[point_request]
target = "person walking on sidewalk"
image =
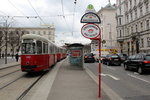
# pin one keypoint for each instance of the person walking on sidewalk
(17, 57)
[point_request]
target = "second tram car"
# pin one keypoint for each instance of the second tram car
(39, 54)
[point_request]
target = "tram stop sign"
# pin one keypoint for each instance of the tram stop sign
(90, 31)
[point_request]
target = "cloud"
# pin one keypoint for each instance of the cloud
(51, 13)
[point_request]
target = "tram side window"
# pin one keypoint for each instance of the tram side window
(43, 47)
(51, 48)
(39, 47)
(46, 48)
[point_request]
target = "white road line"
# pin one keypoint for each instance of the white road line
(113, 77)
(111, 68)
(102, 74)
(136, 73)
(139, 78)
(111, 93)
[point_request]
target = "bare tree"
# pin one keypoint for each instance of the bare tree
(1, 41)
(15, 40)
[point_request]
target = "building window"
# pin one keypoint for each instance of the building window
(131, 16)
(49, 33)
(134, 2)
(127, 6)
(39, 32)
(44, 32)
(147, 7)
(135, 13)
(148, 42)
(130, 3)
(33, 32)
(141, 26)
(141, 11)
(147, 24)
(120, 10)
(120, 33)
(131, 29)
(127, 18)
(128, 31)
(136, 28)
(119, 21)
(142, 43)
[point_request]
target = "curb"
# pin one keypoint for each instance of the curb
(109, 92)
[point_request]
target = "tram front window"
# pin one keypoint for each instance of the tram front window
(28, 48)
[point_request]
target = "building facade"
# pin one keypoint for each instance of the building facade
(14, 37)
(107, 15)
(133, 26)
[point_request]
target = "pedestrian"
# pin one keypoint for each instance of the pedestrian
(3, 55)
(17, 57)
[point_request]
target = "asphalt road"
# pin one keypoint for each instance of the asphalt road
(129, 85)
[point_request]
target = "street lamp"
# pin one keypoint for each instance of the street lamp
(110, 35)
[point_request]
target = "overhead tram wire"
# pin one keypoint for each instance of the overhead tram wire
(62, 7)
(64, 15)
(36, 12)
(75, 2)
(19, 10)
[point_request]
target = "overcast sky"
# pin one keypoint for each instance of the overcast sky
(50, 11)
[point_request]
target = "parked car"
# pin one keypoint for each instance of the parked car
(89, 58)
(112, 59)
(123, 57)
(139, 62)
(102, 58)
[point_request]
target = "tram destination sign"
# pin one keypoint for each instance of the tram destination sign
(90, 31)
(90, 17)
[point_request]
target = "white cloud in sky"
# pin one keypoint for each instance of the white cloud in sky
(52, 8)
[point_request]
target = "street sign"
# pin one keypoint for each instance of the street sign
(90, 18)
(93, 32)
(90, 31)
(90, 8)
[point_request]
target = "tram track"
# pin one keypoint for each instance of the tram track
(11, 82)
(29, 88)
(9, 73)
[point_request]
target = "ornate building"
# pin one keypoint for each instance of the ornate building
(107, 15)
(133, 26)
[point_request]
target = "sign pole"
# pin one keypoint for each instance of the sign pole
(92, 31)
(99, 69)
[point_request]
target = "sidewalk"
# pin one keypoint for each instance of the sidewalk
(73, 83)
(10, 62)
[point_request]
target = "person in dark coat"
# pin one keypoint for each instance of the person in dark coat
(17, 57)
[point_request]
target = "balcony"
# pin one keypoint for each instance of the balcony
(120, 39)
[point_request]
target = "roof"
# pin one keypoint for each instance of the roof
(76, 45)
(109, 6)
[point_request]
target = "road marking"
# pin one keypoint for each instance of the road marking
(139, 78)
(136, 73)
(111, 68)
(113, 77)
(102, 74)
(111, 93)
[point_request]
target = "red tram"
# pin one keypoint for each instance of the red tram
(39, 54)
